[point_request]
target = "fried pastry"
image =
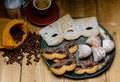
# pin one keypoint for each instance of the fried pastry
(84, 51)
(61, 67)
(88, 26)
(89, 67)
(71, 46)
(99, 53)
(94, 41)
(51, 54)
(53, 33)
(108, 45)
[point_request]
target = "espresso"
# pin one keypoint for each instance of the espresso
(42, 4)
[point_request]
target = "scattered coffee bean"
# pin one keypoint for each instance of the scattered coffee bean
(28, 62)
(31, 46)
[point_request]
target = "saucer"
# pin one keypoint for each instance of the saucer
(36, 19)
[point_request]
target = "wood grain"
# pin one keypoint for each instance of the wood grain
(37, 72)
(9, 73)
(90, 10)
(108, 15)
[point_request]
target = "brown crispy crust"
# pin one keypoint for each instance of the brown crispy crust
(73, 49)
(63, 69)
(87, 70)
(92, 70)
(80, 71)
(54, 55)
(57, 60)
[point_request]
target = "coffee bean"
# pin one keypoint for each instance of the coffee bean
(31, 45)
(28, 62)
(16, 33)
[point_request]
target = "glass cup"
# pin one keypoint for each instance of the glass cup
(15, 8)
(42, 6)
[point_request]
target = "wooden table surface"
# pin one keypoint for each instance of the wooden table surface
(108, 15)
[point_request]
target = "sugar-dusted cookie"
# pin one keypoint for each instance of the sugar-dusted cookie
(94, 41)
(84, 51)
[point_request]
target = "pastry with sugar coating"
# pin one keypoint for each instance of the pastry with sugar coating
(93, 41)
(108, 45)
(99, 53)
(71, 32)
(53, 33)
(88, 26)
(84, 51)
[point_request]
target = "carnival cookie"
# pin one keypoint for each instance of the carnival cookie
(61, 67)
(71, 46)
(89, 67)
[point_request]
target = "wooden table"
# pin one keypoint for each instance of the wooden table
(108, 15)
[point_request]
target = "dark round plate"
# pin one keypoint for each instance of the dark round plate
(82, 40)
(36, 19)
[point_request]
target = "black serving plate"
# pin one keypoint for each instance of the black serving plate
(82, 40)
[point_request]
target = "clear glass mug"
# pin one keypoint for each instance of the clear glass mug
(14, 8)
(43, 7)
